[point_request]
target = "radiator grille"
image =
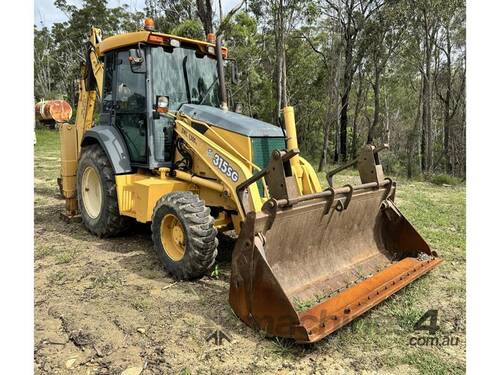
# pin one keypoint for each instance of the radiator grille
(261, 153)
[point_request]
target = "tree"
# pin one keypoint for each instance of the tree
(69, 37)
(352, 16)
(205, 12)
(44, 64)
(355, 70)
(451, 76)
(169, 14)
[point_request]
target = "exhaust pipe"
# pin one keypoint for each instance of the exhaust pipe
(291, 133)
(220, 71)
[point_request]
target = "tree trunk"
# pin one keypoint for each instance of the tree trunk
(426, 141)
(344, 102)
(413, 138)
(221, 13)
(447, 115)
(376, 106)
(357, 109)
(205, 14)
(283, 73)
(279, 35)
(330, 124)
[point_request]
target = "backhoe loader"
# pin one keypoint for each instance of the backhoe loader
(154, 141)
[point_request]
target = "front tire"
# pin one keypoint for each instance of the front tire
(184, 235)
(96, 192)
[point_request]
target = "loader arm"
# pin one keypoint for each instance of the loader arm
(230, 170)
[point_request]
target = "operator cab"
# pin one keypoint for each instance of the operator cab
(153, 66)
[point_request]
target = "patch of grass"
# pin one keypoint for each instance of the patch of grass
(283, 347)
(303, 305)
(444, 179)
(47, 141)
(141, 304)
(41, 201)
(457, 288)
(365, 327)
(105, 280)
(189, 321)
(404, 307)
(47, 156)
(216, 272)
(370, 332)
(44, 251)
(58, 277)
(437, 213)
(65, 257)
(428, 363)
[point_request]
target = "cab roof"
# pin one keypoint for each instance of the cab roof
(151, 37)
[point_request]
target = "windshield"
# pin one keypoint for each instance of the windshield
(185, 76)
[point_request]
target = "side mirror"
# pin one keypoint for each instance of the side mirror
(136, 59)
(234, 73)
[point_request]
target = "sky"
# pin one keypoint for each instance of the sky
(47, 14)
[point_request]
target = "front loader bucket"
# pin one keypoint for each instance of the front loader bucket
(307, 266)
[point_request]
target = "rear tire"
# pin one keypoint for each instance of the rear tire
(184, 235)
(96, 191)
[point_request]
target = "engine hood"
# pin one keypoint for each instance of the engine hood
(231, 121)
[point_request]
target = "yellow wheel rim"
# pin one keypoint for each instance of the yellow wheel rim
(172, 237)
(91, 192)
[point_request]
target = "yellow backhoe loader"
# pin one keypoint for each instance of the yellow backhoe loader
(162, 148)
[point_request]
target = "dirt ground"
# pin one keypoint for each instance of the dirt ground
(108, 307)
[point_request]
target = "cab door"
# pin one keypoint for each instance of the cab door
(128, 112)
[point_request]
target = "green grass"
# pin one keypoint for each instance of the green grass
(65, 257)
(444, 179)
(283, 348)
(403, 306)
(58, 277)
(429, 363)
(47, 142)
(47, 164)
(105, 280)
(142, 304)
(44, 251)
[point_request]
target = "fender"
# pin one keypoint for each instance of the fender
(111, 141)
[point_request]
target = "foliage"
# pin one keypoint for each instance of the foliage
(356, 72)
(189, 29)
(62, 47)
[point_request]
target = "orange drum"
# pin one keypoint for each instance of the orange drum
(53, 110)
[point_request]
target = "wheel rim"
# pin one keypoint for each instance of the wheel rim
(172, 237)
(91, 192)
